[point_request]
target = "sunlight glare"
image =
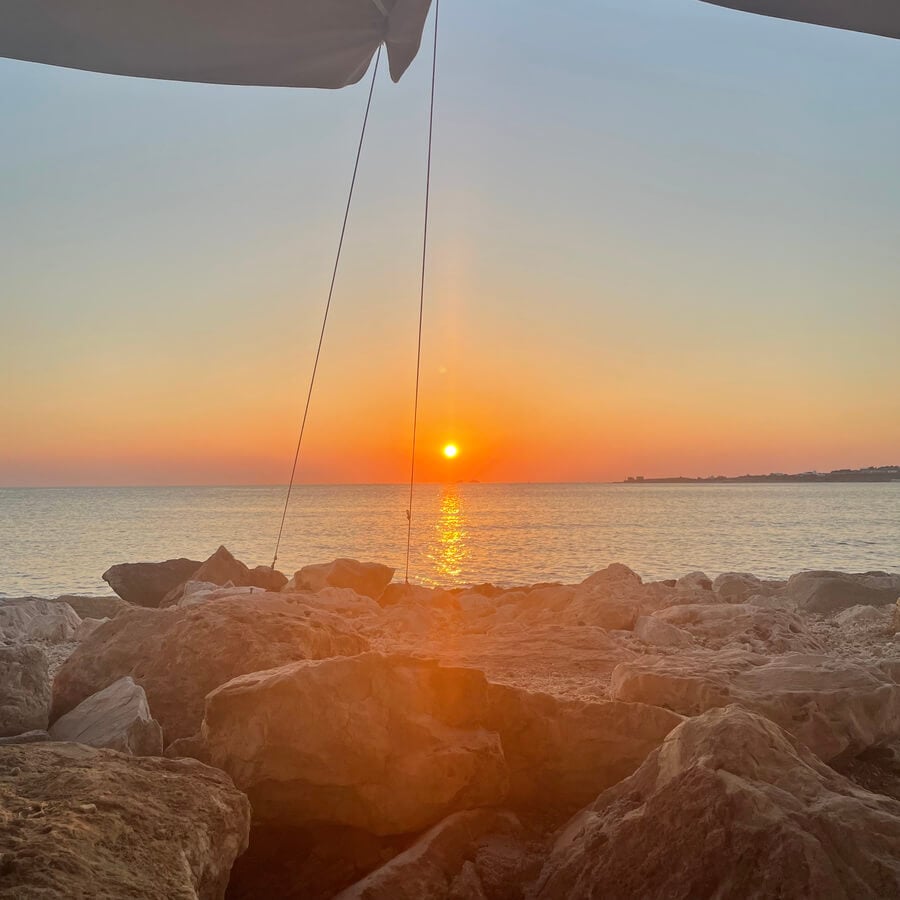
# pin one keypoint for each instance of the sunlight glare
(451, 451)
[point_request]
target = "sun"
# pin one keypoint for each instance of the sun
(451, 451)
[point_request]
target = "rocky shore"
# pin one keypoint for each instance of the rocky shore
(220, 731)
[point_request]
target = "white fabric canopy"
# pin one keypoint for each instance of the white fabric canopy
(293, 43)
(869, 16)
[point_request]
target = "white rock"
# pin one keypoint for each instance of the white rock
(117, 717)
(88, 627)
(652, 630)
(33, 620)
(863, 615)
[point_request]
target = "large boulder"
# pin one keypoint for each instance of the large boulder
(31, 619)
(562, 753)
(179, 655)
(146, 583)
(830, 592)
(117, 717)
(444, 863)
(81, 822)
(386, 744)
(742, 625)
(836, 707)
(366, 578)
(729, 806)
(24, 689)
(739, 587)
(221, 568)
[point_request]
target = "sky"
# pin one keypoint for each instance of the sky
(664, 241)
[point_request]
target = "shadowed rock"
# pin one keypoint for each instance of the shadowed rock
(146, 583)
(117, 718)
(24, 689)
(179, 655)
(366, 578)
(830, 592)
(739, 587)
(836, 707)
(562, 753)
(380, 743)
(438, 866)
(658, 633)
(729, 806)
(95, 607)
(81, 822)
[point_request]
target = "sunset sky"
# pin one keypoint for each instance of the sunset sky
(665, 240)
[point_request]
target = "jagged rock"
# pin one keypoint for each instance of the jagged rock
(836, 707)
(24, 689)
(562, 753)
(145, 583)
(81, 822)
(117, 717)
(830, 592)
(87, 628)
(863, 615)
(438, 865)
(179, 655)
(366, 578)
(221, 568)
(27, 737)
(35, 620)
(374, 742)
(695, 581)
(95, 607)
(729, 806)
(655, 631)
(742, 625)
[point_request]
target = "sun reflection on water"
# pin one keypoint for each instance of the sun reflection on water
(448, 550)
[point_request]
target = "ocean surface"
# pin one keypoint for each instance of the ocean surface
(60, 540)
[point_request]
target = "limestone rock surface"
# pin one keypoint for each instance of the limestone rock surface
(562, 753)
(439, 865)
(739, 587)
(380, 743)
(836, 707)
(660, 633)
(118, 717)
(729, 806)
(87, 628)
(179, 655)
(24, 689)
(95, 607)
(31, 619)
(830, 592)
(366, 578)
(743, 626)
(80, 822)
(146, 583)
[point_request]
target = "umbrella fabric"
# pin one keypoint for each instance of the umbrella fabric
(870, 16)
(292, 43)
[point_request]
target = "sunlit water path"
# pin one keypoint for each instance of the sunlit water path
(60, 540)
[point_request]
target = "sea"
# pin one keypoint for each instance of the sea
(57, 541)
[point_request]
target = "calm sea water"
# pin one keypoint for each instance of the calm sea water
(60, 540)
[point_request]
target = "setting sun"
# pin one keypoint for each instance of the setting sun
(451, 451)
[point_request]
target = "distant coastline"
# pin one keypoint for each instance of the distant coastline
(871, 474)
